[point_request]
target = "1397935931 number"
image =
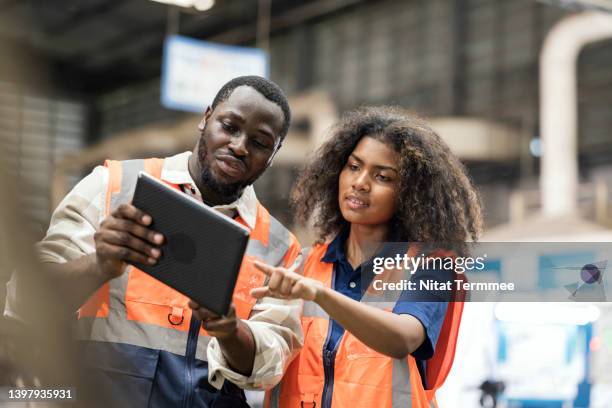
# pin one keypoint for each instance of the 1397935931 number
(37, 394)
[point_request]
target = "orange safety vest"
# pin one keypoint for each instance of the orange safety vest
(137, 309)
(362, 377)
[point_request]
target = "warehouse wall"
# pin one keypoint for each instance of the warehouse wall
(471, 57)
(35, 132)
(439, 57)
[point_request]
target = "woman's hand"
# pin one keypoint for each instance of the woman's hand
(284, 284)
(390, 334)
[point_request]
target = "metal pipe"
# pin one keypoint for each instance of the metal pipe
(558, 107)
(173, 20)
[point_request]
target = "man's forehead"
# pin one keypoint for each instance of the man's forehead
(247, 94)
(247, 99)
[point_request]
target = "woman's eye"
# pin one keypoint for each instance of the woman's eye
(353, 167)
(382, 178)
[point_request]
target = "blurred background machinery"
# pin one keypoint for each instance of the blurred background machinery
(80, 81)
(83, 72)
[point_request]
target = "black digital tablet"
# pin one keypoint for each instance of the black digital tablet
(203, 249)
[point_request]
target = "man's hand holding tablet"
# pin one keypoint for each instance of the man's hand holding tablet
(201, 254)
(202, 249)
(125, 237)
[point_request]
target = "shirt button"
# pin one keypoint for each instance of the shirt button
(352, 285)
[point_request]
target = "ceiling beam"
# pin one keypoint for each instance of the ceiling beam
(242, 34)
(82, 15)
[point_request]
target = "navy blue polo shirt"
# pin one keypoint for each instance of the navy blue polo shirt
(353, 282)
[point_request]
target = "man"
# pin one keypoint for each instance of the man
(145, 345)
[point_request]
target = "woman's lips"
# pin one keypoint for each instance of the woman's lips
(231, 166)
(355, 203)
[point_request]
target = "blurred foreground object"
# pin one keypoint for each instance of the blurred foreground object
(36, 349)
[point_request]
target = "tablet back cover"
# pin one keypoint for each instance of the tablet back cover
(203, 249)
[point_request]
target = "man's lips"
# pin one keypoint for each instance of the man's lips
(230, 165)
(356, 203)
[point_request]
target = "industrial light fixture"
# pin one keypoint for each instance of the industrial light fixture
(200, 5)
(203, 5)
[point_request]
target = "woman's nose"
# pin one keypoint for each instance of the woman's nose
(361, 182)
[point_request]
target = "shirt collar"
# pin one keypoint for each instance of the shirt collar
(335, 250)
(175, 171)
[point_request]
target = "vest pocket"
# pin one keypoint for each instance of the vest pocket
(122, 375)
(159, 314)
(148, 300)
(142, 287)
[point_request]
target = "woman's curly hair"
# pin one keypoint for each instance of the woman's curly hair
(436, 201)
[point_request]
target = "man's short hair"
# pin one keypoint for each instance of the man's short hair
(267, 88)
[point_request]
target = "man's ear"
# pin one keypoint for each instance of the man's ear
(205, 118)
(271, 159)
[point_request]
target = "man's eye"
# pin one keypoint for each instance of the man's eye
(260, 144)
(228, 127)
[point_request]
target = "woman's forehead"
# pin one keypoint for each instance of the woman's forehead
(374, 152)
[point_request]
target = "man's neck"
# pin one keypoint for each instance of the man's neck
(213, 198)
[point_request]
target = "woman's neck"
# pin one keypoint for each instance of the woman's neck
(363, 242)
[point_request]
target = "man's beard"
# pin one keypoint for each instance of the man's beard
(230, 191)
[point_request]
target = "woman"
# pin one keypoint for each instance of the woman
(382, 177)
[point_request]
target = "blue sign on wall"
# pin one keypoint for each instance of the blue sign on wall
(193, 70)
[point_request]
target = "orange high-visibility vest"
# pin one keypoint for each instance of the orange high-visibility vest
(137, 309)
(361, 377)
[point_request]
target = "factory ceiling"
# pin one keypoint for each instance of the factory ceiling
(93, 46)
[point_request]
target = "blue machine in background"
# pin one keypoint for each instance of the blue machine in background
(551, 388)
(543, 350)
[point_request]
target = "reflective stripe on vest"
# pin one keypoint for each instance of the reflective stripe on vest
(139, 310)
(362, 377)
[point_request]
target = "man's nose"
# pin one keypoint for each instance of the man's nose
(238, 144)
